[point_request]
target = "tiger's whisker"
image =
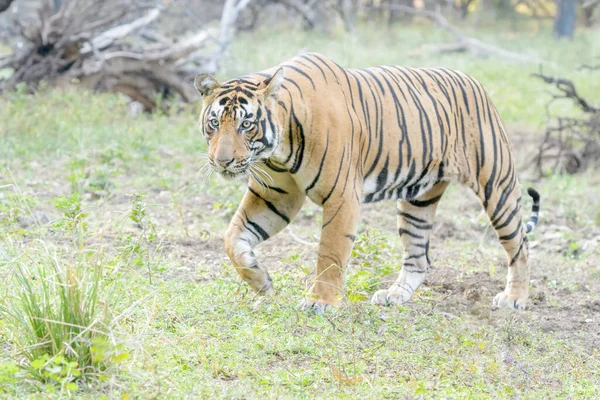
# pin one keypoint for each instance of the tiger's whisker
(266, 177)
(257, 177)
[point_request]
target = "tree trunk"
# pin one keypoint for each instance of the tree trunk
(564, 22)
(4, 4)
(348, 11)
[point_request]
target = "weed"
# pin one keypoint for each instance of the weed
(9, 373)
(74, 217)
(138, 248)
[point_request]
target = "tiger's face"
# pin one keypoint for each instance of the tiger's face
(239, 121)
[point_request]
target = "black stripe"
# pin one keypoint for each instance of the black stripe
(271, 206)
(257, 227)
(316, 65)
(411, 217)
(301, 143)
(336, 178)
(402, 231)
(425, 203)
(334, 215)
(368, 71)
(328, 66)
(276, 189)
(273, 167)
(511, 235)
(422, 227)
(416, 256)
(313, 183)
(298, 70)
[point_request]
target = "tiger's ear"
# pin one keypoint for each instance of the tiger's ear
(274, 84)
(205, 84)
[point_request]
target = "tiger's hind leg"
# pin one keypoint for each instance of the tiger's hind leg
(504, 211)
(415, 221)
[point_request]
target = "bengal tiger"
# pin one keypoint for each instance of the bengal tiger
(343, 137)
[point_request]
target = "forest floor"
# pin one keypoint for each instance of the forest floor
(83, 182)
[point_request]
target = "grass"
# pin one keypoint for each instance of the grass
(109, 208)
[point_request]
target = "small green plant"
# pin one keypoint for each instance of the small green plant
(73, 219)
(573, 249)
(99, 182)
(138, 247)
(140, 216)
(56, 369)
(96, 180)
(8, 374)
(77, 168)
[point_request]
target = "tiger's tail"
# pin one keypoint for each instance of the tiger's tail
(535, 210)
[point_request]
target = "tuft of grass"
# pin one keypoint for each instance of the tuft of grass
(56, 311)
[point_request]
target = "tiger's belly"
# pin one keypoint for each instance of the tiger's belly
(405, 184)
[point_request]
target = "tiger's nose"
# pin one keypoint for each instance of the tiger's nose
(225, 163)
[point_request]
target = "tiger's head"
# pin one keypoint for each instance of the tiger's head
(239, 120)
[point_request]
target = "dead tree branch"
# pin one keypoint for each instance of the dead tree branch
(571, 144)
(464, 43)
(569, 92)
(589, 67)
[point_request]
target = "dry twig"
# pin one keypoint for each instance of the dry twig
(571, 144)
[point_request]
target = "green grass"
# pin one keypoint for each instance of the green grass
(89, 192)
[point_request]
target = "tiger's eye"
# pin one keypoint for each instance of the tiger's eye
(214, 123)
(246, 124)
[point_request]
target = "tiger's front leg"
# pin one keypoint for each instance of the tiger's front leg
(263, 212)
(340, 221)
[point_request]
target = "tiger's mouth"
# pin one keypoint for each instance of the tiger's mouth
(230, 175)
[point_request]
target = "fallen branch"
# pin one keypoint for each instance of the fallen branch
(569, 92)
(107, 38)
(571, 144)
(589, 67)
(465, 43)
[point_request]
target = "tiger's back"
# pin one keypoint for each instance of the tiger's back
(409, 128)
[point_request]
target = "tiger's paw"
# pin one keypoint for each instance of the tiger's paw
(504, 300)
(392, 296)
(261, 285)
(267, 287)
(316, 306)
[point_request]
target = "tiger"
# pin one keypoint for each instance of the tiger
(342, 137)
